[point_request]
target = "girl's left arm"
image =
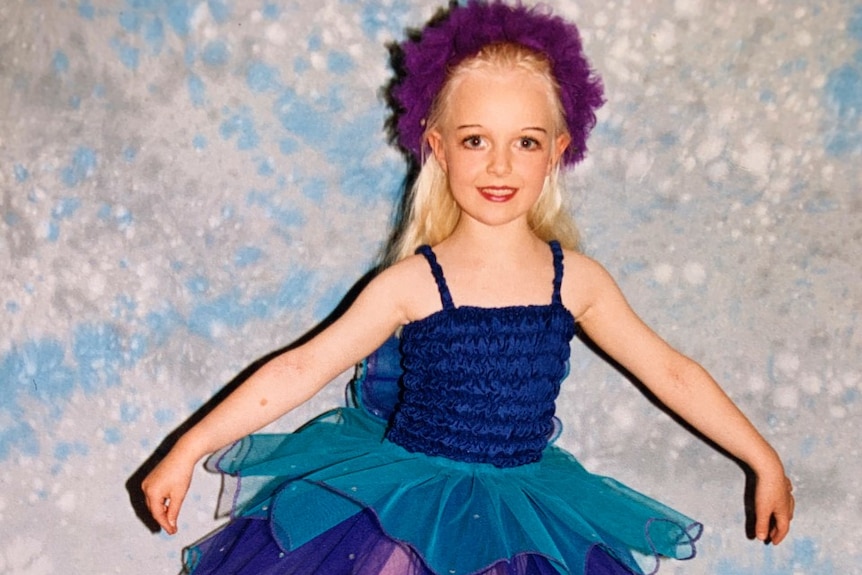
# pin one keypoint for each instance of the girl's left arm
(683, 386)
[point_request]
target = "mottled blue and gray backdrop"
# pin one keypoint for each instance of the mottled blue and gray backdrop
(188, 185)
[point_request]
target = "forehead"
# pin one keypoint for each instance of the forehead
(499, 95)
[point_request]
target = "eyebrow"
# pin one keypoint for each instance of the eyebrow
(528, 128)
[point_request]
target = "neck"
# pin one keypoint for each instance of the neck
(513, 238)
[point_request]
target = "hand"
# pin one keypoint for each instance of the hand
(773, 508)
(165, 487)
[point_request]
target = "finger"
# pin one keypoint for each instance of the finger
(763, 518)
(780, 528)
(779, 532)
(173, 512)
(159, 509)
(782, 523)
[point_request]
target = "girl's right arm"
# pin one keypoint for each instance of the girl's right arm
(280, 385)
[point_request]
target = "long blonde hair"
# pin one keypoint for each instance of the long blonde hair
(432, 212)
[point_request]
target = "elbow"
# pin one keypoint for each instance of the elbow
(292, 376)
(289, 380)
(682, 376)
(288, 366)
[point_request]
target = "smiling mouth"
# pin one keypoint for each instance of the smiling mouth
(501, 194)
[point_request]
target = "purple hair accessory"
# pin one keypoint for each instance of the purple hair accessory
(462, 33)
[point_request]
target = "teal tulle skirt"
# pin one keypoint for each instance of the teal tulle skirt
(449, 517)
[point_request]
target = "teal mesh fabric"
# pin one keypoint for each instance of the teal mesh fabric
(459, 517)
(480, 486)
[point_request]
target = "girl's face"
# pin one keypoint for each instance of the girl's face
(497, 142)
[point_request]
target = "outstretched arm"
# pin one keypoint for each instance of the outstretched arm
(683, 386)
(277, 387)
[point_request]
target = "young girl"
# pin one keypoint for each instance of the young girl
(462, 479)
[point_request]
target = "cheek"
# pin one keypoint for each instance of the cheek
(461, 167)
(537, 166)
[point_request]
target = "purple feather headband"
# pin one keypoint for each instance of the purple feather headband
(462, 33)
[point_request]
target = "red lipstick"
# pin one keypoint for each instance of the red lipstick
(498, 193)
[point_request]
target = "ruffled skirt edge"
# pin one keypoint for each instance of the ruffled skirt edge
(273, 475)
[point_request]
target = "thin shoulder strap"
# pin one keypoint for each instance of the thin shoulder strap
(437, 271)
(558, 270)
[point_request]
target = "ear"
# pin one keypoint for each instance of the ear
(435, 141)
(560, 145)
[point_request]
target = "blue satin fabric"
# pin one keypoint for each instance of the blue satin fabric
(450, 473)
(479, 384)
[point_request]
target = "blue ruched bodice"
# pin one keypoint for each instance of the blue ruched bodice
(467, 460)
(479, 384)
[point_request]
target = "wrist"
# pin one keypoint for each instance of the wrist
(190, 448)
(768, 465)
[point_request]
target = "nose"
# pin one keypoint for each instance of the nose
(500, 161)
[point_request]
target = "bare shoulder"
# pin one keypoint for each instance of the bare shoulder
(584, 281)
(410, 285)
(580, 263)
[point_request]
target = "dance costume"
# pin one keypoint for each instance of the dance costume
(460, 479)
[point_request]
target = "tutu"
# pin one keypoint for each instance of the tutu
(346, 495)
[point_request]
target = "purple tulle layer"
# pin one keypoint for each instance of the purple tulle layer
(357, 546)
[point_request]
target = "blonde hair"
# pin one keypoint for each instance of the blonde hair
(432, 211)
